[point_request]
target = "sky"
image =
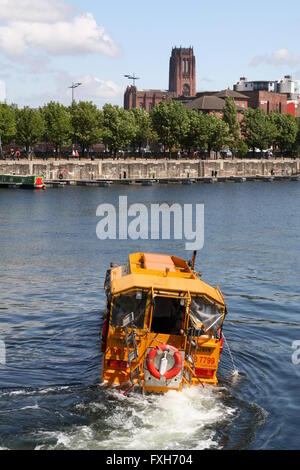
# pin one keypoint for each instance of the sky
(45, 45)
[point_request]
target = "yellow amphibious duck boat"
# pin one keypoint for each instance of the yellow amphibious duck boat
(163, 325)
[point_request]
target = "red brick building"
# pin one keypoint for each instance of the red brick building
(182, 82)
(207, 104)
(267, 101)
(145, 99)
(240, 99)
(212, 104)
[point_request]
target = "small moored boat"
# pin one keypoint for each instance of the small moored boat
(22, 181)
(162, 328)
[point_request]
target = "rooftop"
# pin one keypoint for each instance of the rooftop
(206, 103)
(231, 94)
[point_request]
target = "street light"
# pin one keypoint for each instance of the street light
(74, 85)
(132, 77)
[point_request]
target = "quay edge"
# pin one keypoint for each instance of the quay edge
(163, 171)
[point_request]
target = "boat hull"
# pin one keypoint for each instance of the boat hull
(24, 182)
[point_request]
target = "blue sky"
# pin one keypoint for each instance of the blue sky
(46, 44)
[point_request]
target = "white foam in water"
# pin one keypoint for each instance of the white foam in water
(94, 407)
(15, 393)
(33, 407)
(235, 377)
(184, 420)
(174, 420)
(44, 391)
(78, 438)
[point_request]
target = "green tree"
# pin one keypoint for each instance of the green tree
(86, 121)
(257, 129)
(230, 116)
(242, 148)
(119, 128)
(196, 135)
(58, 124)
(143, 128)
(8, 127)
(30, 127)
(170, 122)
(286, 130)
(296, 146)
(217, 133)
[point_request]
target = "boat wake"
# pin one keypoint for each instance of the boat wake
(186, 420)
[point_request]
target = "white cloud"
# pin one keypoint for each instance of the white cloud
(33, 32)
(44, 11)
(53, 33)
(277, 58)
(94, 87)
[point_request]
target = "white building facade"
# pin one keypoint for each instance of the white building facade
(261, 85)
(286, 85)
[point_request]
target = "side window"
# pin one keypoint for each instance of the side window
(207, 314)
(126, 304)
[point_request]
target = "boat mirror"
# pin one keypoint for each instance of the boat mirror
(128, 319)
(139, 295)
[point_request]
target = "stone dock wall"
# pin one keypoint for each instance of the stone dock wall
(149, 169)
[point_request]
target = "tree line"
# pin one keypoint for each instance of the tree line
(171, 126)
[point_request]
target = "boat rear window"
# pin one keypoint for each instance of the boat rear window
(168, 316)
(126, 304)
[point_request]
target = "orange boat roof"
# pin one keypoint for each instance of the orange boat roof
(145, 263)
(159, 262)
(161, 272)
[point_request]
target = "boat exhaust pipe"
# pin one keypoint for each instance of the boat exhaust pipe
(192, 263)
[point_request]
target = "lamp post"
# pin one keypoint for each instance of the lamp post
(74, 85)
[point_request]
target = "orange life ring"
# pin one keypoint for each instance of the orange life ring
(170, 374)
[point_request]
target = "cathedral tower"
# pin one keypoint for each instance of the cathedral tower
(182, 78)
